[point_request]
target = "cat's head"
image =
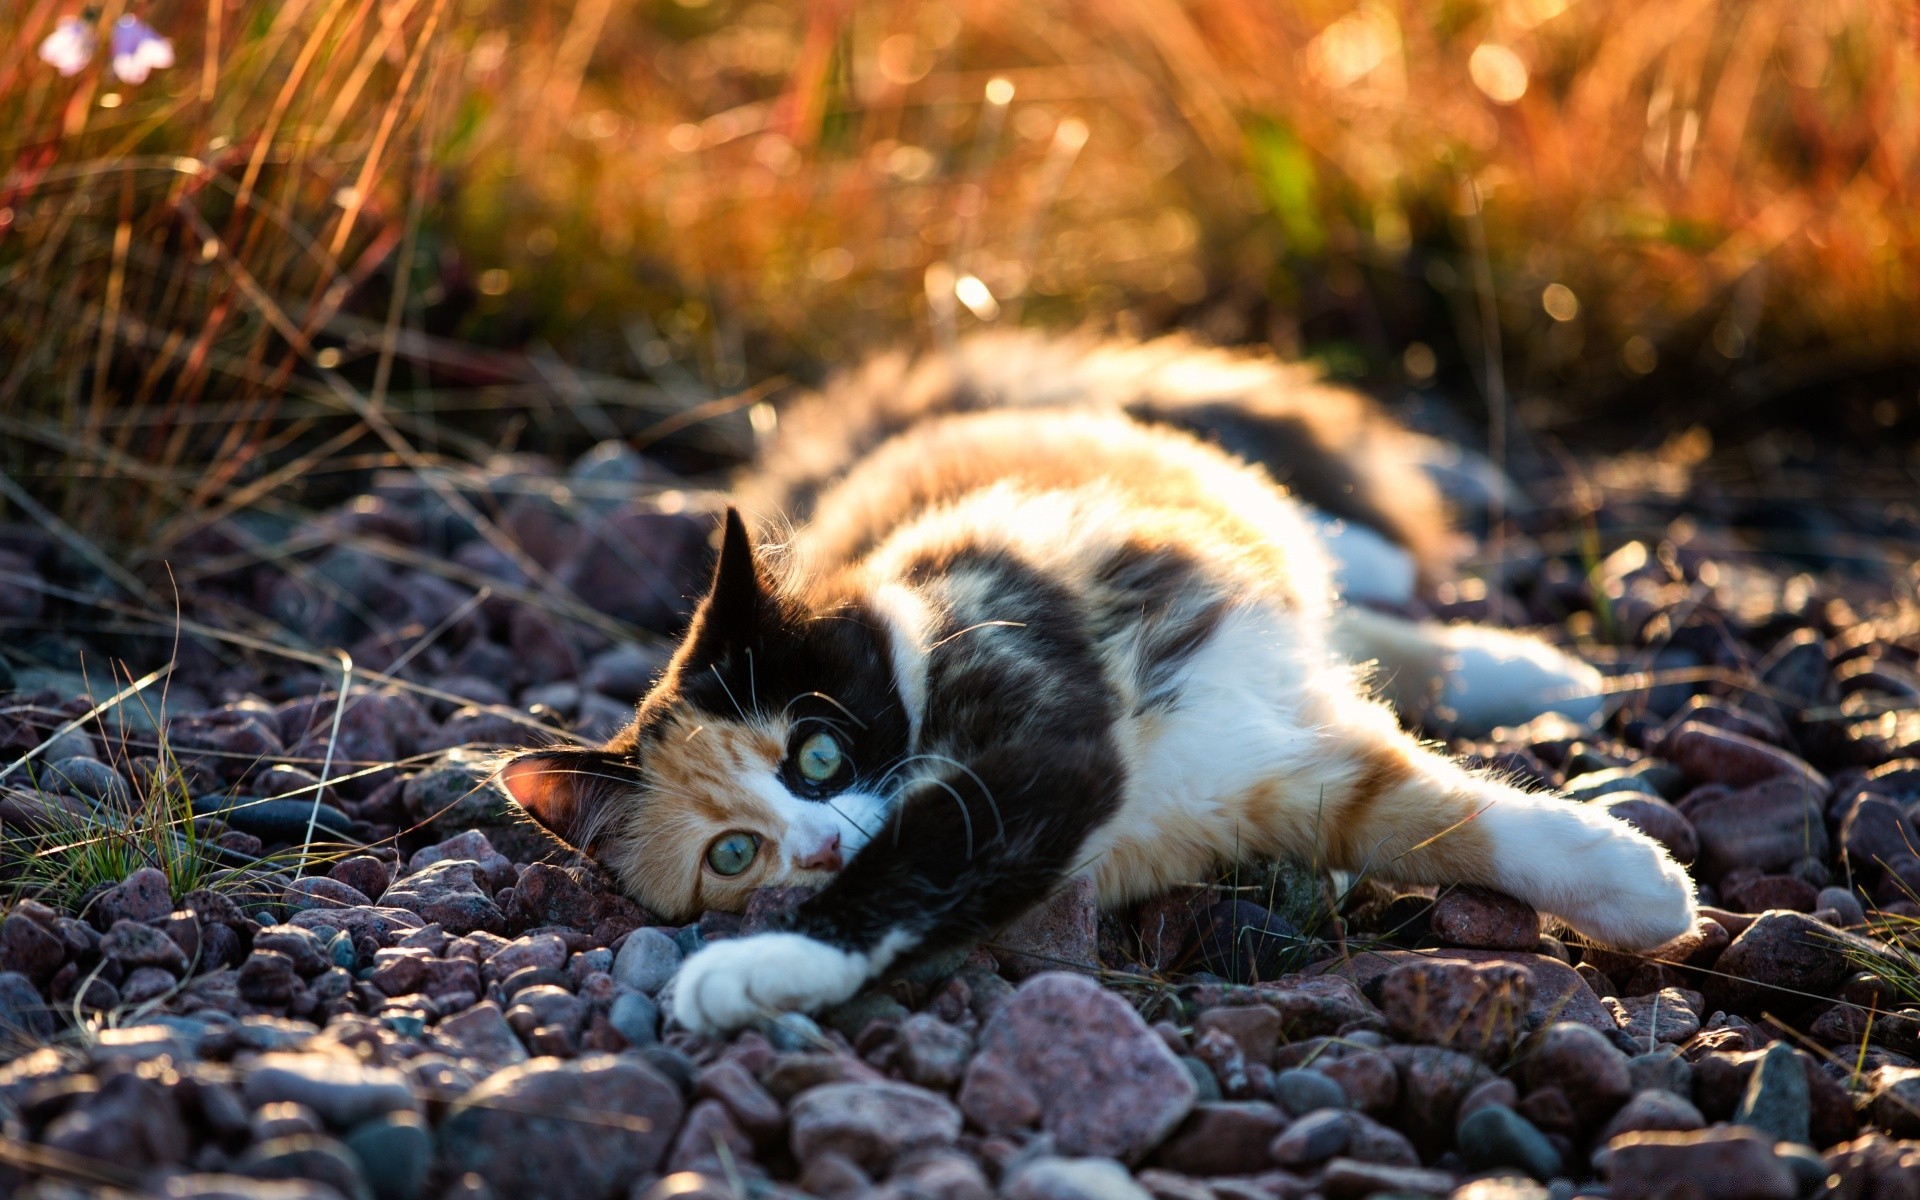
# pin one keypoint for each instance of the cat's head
(759, 759)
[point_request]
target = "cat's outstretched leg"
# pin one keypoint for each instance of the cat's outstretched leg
(1472, 678)
(1398, 811)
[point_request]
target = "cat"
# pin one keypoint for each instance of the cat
(1009, 617)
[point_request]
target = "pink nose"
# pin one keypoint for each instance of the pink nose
(823, 857)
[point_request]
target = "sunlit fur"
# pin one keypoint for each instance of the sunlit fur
(1083, 640)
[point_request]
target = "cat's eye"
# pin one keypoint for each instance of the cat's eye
(820, 758)
(733, 853)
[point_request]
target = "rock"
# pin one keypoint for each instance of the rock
(708, 1137)
(276, 820)
(872, 1124)
(515, 1129)
(395, 1153)
(1347, 1179)
(1479, 1009)
(129, 1122)
(1314, 1138)
(624, 672)
(89, 778)
(547, 895)
(1893, 1100)
(1876, 832)
(1659, 820)
(1713, 1164)
(1060, 933)
(1766, 827)
(267, 979)
(133, 945)
(1242, 942)
(637, 565)
(30, 949)
(1053, 1178)
(1505, 1187)
(1668, 1015)
(482, 1033)
(1584, 1065)
(1496, 1136)
(932, 1053)
(364, 874)
(141, 897)
(449, 894)
(454, 795)
(1723, 756)
(241, 1187)
(307, 1157)
(471, 846)
(341, 1088)
(1782, 958)
(1433, 1084)
(322, 891)
(381, 925)
(1653, 1112)
(1223, 1138)
(1255, 1028)
(647, 960)
(1370, 1081)
(1875, 1166)
(1079, 1061)
(1843, 904)
(636, 1017)
(1777, 1101)
(1558, 992)
(536, 951)
(1479, 919)
(1300, 1092)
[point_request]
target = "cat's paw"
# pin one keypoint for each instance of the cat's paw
(1496, 677)
(1611, 882)
(734, 983)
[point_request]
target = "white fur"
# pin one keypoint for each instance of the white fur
(1604, 877)
(737, 982)
(1495, 677)
(907, 621)
(854, 815)
(1366, 565)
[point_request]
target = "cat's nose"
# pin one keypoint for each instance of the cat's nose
(823, 857)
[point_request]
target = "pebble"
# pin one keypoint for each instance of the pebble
(1480, 919)
(1767, 827)
(1781, 954)
(1223, 1138)
(1300, 1092)
(1653, 1111)
(1313, 1138)
(1478, 1008)
(395, 1153)
(514, 1131)
(1081, 1063)
(1659, 820)
(311, 1157)
(636, 1017)
(872, 1124)
(449, 894)
(932, 1053)
(1777, 1101)
(1060, 933)
(646, 961)
(339, 1087)
(30, 948)
(1255, 1028)
(1669, 1015)
(1346, 1178)
(1496, 1136)
(142, 896)
(1055, 1178)
(1584, 1065)
(1712, 1164)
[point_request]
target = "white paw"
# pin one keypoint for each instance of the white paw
(734, 983)
(1495, 677)
(1608, 880)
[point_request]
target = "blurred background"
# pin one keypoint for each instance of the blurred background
(335, 236)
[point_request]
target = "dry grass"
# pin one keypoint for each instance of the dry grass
(339, 228)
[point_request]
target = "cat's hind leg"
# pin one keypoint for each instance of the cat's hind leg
(1471, 678)
(1389, 807)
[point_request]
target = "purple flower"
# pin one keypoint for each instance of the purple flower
(137, 49)
(69, 48)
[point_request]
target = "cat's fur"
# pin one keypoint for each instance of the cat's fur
(1056, 634)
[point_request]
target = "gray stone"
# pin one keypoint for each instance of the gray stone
(133, 945)
(22, 1009)
(637, 1018)
(1777, 1101)
(482, 1033)
(1053, 1178)
(1301, 1092)
(342, 1089)
(647, 960)
(1497, 1136)
(1314, 1138)
(1715, 1164)
(872, 1124)
(517, 1131)
(395, 1153)
(309, 1157)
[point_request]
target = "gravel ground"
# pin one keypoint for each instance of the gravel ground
(442, 1004)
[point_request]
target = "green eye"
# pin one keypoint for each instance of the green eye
(733, 853)
(820, 758)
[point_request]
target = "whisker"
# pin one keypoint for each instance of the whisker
(830, 700)
(721, 679)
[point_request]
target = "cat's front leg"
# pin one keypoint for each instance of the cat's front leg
(968, 850)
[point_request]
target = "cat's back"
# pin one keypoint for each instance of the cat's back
(901, 433)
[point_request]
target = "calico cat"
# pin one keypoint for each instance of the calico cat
(1009, 620)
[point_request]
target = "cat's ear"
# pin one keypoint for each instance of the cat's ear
(563, 789)
(730, 615)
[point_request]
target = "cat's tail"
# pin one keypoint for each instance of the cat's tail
(1468, 679)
